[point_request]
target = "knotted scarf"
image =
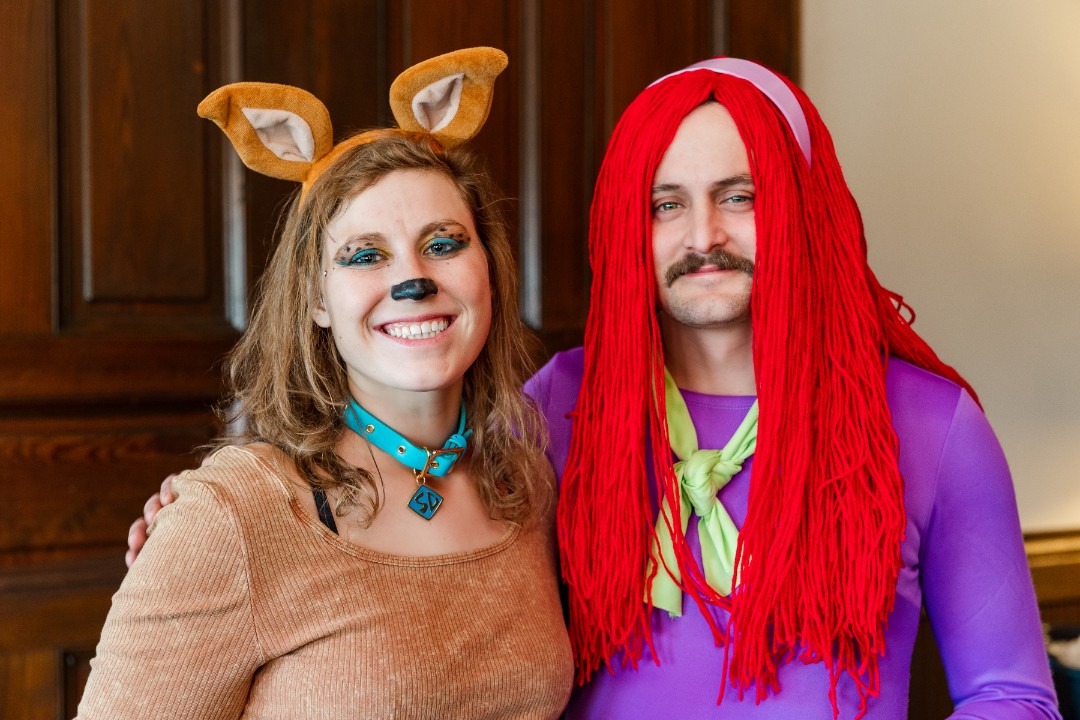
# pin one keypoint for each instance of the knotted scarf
(701, 475)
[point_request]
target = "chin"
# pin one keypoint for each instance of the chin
(712, 314)
(428, 383)
(418, 378)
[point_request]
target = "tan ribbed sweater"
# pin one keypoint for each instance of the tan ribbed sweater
(242, 605)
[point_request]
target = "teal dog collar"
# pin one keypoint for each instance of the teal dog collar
(424, 462)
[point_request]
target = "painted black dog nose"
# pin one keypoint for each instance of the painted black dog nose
(415, 289)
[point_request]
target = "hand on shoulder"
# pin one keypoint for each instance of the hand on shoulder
(139, 529)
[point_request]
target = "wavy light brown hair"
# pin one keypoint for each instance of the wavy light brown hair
(288, 385)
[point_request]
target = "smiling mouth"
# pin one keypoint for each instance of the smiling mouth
(417, 330)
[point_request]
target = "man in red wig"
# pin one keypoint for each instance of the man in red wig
(766, 474)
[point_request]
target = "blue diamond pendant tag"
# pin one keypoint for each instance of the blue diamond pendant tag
(425, 502)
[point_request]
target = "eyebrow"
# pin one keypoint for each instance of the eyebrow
(356, 241)
(740, 180)
(438, 224)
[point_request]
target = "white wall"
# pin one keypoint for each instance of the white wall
(958, 125)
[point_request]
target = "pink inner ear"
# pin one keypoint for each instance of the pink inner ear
(284, 133)
(435, 106)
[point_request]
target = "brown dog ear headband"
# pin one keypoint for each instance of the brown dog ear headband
(285, 132)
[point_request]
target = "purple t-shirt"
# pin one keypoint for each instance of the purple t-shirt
(963, 559)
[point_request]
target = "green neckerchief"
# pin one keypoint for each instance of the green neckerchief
(701, 475)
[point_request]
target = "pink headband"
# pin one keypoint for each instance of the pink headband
(768, 83)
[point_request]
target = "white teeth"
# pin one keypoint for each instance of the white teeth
(417, 331)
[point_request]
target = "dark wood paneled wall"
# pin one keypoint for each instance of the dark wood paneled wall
(130, 237)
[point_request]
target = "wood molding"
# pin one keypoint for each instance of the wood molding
(57, 599)
(79, 481)
(132, 369)
(1054, 559)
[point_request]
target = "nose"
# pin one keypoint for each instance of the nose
(706, 230)
(414, 289)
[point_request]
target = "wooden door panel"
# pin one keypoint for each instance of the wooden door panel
(132, 237)
(52, 607)
(112, 313)
(28, 685)
(420, 29)
(763, 30)
(333, 49)
(28, 180)
(675, 33)
(592, 60)
(140, 238)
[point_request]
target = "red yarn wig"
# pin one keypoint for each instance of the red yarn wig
(819, 551)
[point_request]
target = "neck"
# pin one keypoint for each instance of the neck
(426, 419)
(715, 360)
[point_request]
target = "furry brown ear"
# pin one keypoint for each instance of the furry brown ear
(277, 130)
(448, 96)
(285, 132)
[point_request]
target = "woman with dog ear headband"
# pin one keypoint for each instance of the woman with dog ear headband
(376, 541)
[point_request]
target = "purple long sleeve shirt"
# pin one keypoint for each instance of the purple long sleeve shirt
(963, 559)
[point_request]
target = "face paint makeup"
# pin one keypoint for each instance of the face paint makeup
(415, 289)
(410, 225)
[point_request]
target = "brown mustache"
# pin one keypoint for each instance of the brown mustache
(722, 259)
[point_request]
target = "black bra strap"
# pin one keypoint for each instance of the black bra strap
(323, 506)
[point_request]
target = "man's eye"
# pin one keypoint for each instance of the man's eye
(666, 206)
(740, 202)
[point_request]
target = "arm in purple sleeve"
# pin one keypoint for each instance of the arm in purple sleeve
(976, 583)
